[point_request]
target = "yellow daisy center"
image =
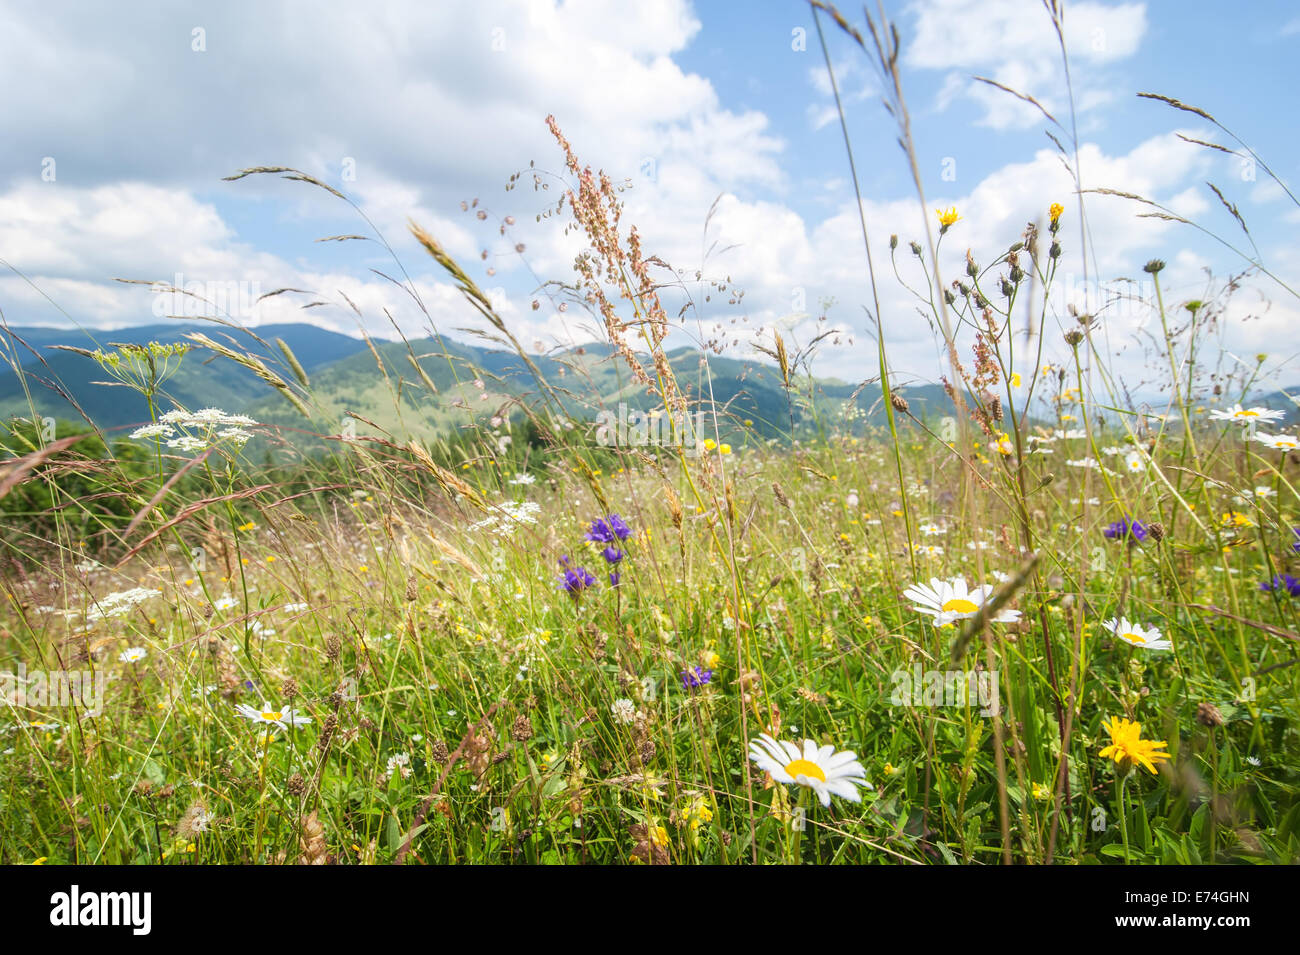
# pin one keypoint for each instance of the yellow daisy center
(806, 768)
(272, 717)
(1134, 638)
(1244, 413)
(959, 605)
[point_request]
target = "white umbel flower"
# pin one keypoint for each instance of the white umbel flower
(949, 600)
(1136, 635)
(826, 772)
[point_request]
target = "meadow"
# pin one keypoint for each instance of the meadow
(1044, 625)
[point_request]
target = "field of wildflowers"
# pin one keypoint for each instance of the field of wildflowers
(1047, 626)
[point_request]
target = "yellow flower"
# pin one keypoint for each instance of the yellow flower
(1127, 747)
(709, 444)
(1054, 211)
(1042, 792)
(724, 449)
(1015, 380)
(947, 218)
(1003, 445)
(659, 836)
(696, 813)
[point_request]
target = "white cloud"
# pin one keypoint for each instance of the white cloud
(433, 113)
(1015, 43)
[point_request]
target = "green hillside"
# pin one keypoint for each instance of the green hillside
(68, 386)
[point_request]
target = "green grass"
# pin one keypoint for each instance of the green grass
(403, 647)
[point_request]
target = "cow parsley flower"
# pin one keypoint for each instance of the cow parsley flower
(154, 431)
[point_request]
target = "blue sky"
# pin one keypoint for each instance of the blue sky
(142, 110)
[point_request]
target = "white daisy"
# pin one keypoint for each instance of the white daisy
(825, 771)
(949, 600)
(281, 719)
(1279, 442)
(523, 477)
(132, 654)
(1246, 415)
(1137, 635)
(1135, 462)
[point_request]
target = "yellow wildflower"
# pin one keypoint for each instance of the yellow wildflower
(1127, 747)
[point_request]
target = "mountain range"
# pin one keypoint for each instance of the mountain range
(418, 388)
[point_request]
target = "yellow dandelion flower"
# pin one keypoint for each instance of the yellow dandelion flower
(1054, 211)
(947, 218)
(1127, 747)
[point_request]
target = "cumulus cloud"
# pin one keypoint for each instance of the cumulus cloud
(430, 105)
(1015, 44)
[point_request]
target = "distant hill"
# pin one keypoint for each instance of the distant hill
(428, 387)
(203, 381)
(475, 384)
